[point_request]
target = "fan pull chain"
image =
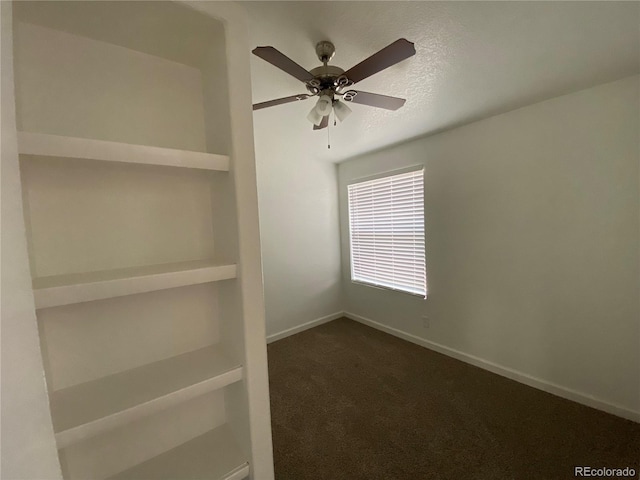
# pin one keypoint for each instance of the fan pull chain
(328, 136)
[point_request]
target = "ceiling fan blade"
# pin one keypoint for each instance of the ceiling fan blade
(284, 63)
(377, 100)
(323, 124)
(280, 101)
(388, 56)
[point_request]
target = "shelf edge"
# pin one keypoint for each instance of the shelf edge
(73, 435)
(89, 149)
(239, 473)
(102, 289)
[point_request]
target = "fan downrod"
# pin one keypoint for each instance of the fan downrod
(325, 51)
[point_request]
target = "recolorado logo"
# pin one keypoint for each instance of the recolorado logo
(604, 472)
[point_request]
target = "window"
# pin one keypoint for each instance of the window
(386, 227)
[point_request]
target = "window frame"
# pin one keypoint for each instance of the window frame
(389, 173)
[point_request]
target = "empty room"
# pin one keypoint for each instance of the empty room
(375, 240)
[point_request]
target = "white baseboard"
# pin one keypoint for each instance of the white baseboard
(305, 326)
(538, 383)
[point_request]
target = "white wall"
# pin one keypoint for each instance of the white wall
(50, 82)
(532, 238)
(299, 228)
(298, 200)
(28, 445)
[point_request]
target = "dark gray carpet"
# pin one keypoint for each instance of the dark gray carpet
(350, 402)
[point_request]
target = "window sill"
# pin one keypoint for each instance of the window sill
(389, 289)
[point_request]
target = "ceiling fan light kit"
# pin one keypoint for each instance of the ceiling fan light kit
(329, 82)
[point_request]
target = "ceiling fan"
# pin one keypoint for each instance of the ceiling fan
(329, 82)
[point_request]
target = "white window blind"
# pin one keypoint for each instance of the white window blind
(386, 224)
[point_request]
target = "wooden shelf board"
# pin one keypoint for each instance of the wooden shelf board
(212, 456)
(72, 147)
(59, 290)
(90, 408)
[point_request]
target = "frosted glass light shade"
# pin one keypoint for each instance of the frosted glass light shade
(323, 107)
(314, 117)
(341, 110)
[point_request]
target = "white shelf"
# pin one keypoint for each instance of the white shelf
(212, 456)
(88, 409)
(84, 287)
(72, 147)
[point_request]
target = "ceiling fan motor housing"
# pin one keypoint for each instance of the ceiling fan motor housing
(326, 77)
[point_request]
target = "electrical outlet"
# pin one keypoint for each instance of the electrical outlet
(425, 321)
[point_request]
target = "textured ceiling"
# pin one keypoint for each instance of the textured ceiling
(473, 60)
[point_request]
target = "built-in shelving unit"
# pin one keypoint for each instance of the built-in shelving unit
(90, 408)
(140, 208)
(69, 147)
(213, 455)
